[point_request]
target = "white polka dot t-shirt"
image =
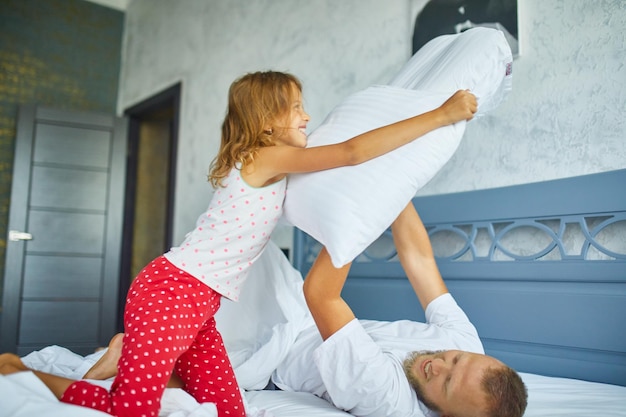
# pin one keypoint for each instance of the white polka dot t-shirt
(231, 234)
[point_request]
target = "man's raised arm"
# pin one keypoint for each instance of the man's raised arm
(416, 256)
(324, 282)
(322, 291)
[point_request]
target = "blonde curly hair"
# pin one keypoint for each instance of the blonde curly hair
(255, 101)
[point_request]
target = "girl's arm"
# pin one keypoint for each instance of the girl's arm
(276, 160)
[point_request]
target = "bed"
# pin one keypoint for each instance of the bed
(539, 268)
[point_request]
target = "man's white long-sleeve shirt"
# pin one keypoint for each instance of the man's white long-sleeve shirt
(359, 368)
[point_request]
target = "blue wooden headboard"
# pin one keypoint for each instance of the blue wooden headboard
(539, 268)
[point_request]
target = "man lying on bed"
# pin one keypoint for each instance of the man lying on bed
(365, 371)
(369, 367)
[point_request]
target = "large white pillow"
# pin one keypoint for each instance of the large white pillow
(479, 59)
(346, 209)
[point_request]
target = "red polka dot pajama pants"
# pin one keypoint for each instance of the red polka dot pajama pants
(169, 324)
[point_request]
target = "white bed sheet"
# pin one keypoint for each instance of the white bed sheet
(258, 331)
(548, 397)
(23, 395)
(553, 397)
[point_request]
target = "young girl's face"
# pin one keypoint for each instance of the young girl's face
(294, 133)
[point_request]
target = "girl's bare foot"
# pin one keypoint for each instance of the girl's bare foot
(106, 367)
(10, 364)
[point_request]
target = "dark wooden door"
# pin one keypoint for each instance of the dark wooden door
(63, 250)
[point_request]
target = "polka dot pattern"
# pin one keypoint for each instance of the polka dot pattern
(231, 234)
(169, 325)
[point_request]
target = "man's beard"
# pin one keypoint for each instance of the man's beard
(408, 365)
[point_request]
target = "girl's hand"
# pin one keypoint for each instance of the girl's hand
(460, 106)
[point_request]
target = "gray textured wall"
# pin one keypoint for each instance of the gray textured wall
(565, 116)
(56, 53)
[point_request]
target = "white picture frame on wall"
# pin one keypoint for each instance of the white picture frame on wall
(432, 18)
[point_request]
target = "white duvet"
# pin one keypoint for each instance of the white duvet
(258, 331)
(23, 394)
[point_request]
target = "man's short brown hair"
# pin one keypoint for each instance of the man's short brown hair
(506, 392)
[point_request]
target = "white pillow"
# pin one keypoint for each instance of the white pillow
(346, 209)
(479, 59)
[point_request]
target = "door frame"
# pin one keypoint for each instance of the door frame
(168, 98)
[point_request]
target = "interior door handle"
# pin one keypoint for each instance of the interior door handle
(16, 236)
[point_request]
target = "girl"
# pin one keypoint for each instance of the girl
(168, 320)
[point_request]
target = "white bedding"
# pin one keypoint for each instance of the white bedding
(258, 331)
